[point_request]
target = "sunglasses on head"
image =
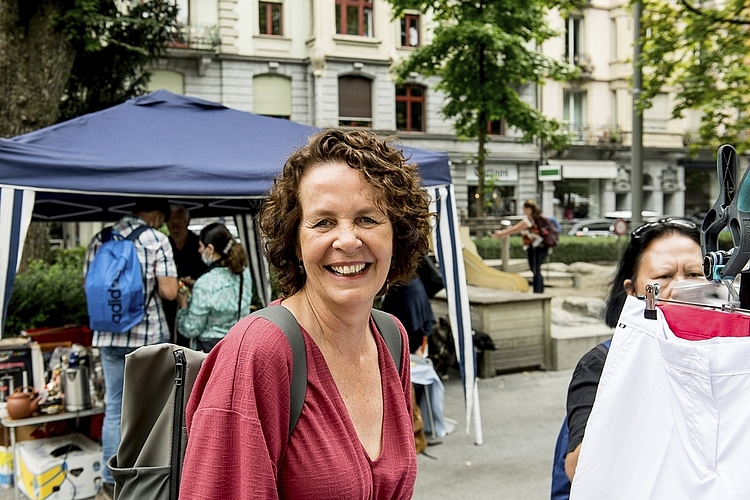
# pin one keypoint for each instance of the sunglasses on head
(667, 221)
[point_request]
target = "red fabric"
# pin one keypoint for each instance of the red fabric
(238, 422)
(696, 323)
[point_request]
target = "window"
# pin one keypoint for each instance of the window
(166, 79)
(272, 96)
(410, 108)
(182, 11)
(354, 17)
(496, 127)
(355, 101)
(269, 18)
(574, 113)
(573, 39)
(410, 30)
(657, 116)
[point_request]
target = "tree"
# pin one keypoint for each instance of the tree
(64, 58)
(704, 58)
(485, 52)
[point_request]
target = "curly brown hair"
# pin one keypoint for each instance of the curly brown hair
(397, 193)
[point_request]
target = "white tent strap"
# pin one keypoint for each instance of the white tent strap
(446, 242)
(16, 207)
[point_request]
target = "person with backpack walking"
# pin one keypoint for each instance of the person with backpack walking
(221, 296)
(666, 251)
(530, 228)
(345, 220)
(156, 273)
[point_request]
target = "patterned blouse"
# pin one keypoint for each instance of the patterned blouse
(212, 307)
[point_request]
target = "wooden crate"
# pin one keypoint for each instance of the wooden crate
(519, 324)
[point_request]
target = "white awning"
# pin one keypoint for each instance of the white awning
(587, 169)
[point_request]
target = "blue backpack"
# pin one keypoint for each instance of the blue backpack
(114, 284)
(560, 481)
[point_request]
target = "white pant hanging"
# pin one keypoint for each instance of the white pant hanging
(671, 417)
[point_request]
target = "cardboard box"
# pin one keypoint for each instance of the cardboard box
(57, 468)
(6, 467)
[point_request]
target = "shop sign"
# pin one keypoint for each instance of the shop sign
(550, 173)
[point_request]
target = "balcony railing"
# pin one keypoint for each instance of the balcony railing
(195, 36)
(595, 135)
(582, 61)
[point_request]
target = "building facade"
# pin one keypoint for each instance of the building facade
(327, 63)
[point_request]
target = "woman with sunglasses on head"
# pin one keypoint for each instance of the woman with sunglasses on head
(668, 252)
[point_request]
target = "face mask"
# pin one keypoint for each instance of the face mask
(207, 260)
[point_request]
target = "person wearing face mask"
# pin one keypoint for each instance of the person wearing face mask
(221, 296)
(668, 252)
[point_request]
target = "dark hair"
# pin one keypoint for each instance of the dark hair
(225, 245)
(536, 212)
(146, 204)
(630, 261)
(397, 193)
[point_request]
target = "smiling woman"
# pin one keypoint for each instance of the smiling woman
(345, 220)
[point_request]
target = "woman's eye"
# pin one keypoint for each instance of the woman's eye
(369, 220)
(322, 224)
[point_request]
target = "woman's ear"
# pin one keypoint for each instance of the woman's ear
(629, 287)
(210, 246)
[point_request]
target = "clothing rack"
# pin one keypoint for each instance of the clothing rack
(652, 297)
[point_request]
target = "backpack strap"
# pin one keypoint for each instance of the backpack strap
(285, 320)
(391, 335)
(133, 236)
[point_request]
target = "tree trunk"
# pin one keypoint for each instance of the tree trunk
(36, 246)
(35, 65)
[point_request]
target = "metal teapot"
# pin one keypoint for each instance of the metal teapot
(22, 404)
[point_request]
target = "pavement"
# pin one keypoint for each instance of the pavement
(521, 417)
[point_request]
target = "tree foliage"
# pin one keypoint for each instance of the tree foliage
(114, 48)
(485, 52)
(63, 58)
(49, 293)
(701, 50)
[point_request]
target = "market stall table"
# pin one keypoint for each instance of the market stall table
(12, 424)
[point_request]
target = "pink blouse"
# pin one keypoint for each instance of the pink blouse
(238, 425)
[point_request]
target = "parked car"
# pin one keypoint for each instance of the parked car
(593, 228)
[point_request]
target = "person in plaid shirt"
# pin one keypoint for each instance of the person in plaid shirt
(160, 272)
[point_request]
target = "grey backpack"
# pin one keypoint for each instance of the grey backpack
(157, 383)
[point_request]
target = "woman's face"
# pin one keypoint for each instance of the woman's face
(345, 241)
(667, 260)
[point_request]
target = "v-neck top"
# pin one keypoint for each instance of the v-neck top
(238, 426)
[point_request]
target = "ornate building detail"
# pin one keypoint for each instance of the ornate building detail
(622, 181)
(669, 180)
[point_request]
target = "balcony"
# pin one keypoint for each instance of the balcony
(583, 62)
(594, 135)
(195, 37)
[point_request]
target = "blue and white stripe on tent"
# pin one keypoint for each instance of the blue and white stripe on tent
(446, 242)
(16, 206)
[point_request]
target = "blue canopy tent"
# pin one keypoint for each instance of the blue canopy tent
(215, 160)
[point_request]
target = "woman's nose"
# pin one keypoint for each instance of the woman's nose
(347, 240)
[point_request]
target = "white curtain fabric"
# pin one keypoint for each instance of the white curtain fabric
(16, 206)
(447, 245)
